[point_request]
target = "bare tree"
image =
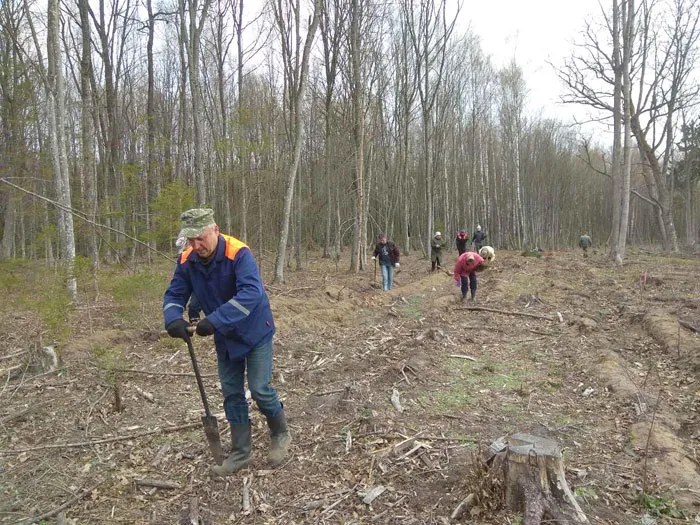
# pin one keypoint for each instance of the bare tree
(660, 86)
(296, 73)
(192, 19)
(512, 123)
(87, 128)
(429, 30)
(331, 24)
(358, 133)
(54, 90)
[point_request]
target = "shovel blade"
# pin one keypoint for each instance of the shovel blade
(211, 429)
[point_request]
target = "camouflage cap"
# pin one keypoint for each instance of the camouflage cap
(194, 221)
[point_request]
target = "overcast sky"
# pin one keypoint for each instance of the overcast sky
(534, 32)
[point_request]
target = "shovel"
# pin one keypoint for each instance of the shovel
(211, 425)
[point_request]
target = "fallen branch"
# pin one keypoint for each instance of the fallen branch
(689, 326)
(2, 358)
(507, 312)
(458, 356)
(101, 441)
(150, 482)
(337, 502)
(51, 513)
(329, 392)
(153, 373)
(10, 369)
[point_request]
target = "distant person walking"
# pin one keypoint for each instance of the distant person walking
(479, 238)
(461, 241)
(468, 264)
(436, 246)
(389, 255)
(585, 242)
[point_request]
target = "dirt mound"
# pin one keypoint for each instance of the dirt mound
(617, 376)
(318, 308)
(100, 341)
(670, 461)
(674, 338)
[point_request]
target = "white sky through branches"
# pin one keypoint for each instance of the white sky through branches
(534, 32)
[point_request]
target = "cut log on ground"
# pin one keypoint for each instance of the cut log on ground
(532, 470)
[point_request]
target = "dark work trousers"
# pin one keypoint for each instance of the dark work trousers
(469, 283)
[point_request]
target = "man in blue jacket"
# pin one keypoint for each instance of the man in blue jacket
(222, 273)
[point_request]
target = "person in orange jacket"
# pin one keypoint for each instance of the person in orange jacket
(466, 268)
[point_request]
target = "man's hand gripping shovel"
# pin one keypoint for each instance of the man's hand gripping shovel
(211, 425)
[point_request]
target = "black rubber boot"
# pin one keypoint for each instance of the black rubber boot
(241, 451)
(280, 438)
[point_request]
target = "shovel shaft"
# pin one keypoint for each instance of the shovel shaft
(198, 376)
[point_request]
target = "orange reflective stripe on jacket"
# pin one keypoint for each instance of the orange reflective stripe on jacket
(185, 254)
(232, 246)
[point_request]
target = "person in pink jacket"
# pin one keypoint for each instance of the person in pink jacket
(465, 272)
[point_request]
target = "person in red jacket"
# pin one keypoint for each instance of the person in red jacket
(461, 241)
(465, 272)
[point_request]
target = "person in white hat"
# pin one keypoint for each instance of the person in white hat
(436, 247)
(479, 238)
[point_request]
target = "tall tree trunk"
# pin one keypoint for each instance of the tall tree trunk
(8, 233)
(151, 184)
(358, 134)
(616, 168)
(195, 30)
(87, 131)
(626, 172)
(57, 141)
(298, 92)
(238, 22)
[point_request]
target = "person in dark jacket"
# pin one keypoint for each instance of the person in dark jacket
(479, 238)
(222, 272)
(388, 254)
(436, 246)
(461, 241)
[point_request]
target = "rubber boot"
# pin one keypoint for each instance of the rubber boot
(280, 438)
(240, 451)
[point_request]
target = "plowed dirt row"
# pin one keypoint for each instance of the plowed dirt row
(615, 383)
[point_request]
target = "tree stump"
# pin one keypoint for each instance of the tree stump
(532, 470)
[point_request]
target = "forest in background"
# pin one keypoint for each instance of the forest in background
(319, 124)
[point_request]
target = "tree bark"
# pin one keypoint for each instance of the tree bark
(87, 129)
(298, 92)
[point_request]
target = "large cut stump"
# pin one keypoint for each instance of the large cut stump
(532, 470)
